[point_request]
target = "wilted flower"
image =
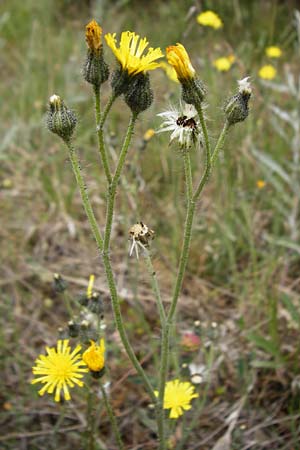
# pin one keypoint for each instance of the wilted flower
(95, 70)
(273, 51)
(209, 19)
(140, 236)
(267, 72)
(224, 63)
(93, 35)
(183, 124)
(59, 370)
(178, 396)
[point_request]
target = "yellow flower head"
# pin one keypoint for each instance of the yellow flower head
(94, 356)
(273, 52)
(59, 370)
(260, 184)
(148, 134)
(170, 71)
(224, 64)
(93, 34)
(267, 72)
(178, 57)
(178, 396)
(130, 52)
(210, 19)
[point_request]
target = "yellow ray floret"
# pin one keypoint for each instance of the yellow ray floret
(178, 57)
(178, 396)
(130, 52)
(93, 34)
(59, 370)
(94, 356)
(273, 51)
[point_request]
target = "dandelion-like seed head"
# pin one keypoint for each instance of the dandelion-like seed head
(178, 397)
(245, 86)
(183, 125)
(59, 370)
(210, 19)
(140, 235)
(94, 356)
(131, 52)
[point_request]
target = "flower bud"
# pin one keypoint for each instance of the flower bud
(95, 70)
(73, 328)
(139, 95)
(95, 304)
(60, 119)
(59, 284)
(236, 109)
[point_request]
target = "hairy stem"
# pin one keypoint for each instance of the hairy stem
(112, 418)
(155, 287)
(101, 144)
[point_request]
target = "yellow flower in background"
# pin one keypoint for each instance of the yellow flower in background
(273, 52)
(148, 134)
(178, 396)
(94, 356)
(224, 63)
(260, 184)
(267, 72)
(59, 370)
(130, 52)
(179, 59)
(170, 71)
(210, 19)
(93, 34)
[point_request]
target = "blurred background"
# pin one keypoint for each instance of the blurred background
(239, 313)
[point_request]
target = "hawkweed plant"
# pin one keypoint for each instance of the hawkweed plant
(187, 127)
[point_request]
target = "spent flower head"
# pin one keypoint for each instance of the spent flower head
(60, 369)
(183, 125)
(140, 235)
(95, 70)
(178, 397)
(93, 34)
(237, 109)
(210, 19)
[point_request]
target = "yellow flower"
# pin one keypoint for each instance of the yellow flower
(224, 64)
(94, 356)
(273, 52)
(93, 34)
(178, 57)
(267, 72)
(260, 184)
(210, 19)
(89, 291)
(130, 52)
(170, 71)
(178, 396)
(149, 134)
(59, 370)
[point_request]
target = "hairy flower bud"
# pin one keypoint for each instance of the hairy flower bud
(236, 109)
(95, 70)
(60, 119)
(139, 95)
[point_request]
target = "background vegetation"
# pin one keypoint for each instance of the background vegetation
(243, 280)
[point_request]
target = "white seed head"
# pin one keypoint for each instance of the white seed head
(245, 86)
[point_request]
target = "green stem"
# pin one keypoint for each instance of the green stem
(109, 104)
(90, 421)
(220, 143)
(101, 144)
(155, 287)
(114, 184)
(121, 328)
(204, 130)
(112, 418)
(188, 174)
(84, 195)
